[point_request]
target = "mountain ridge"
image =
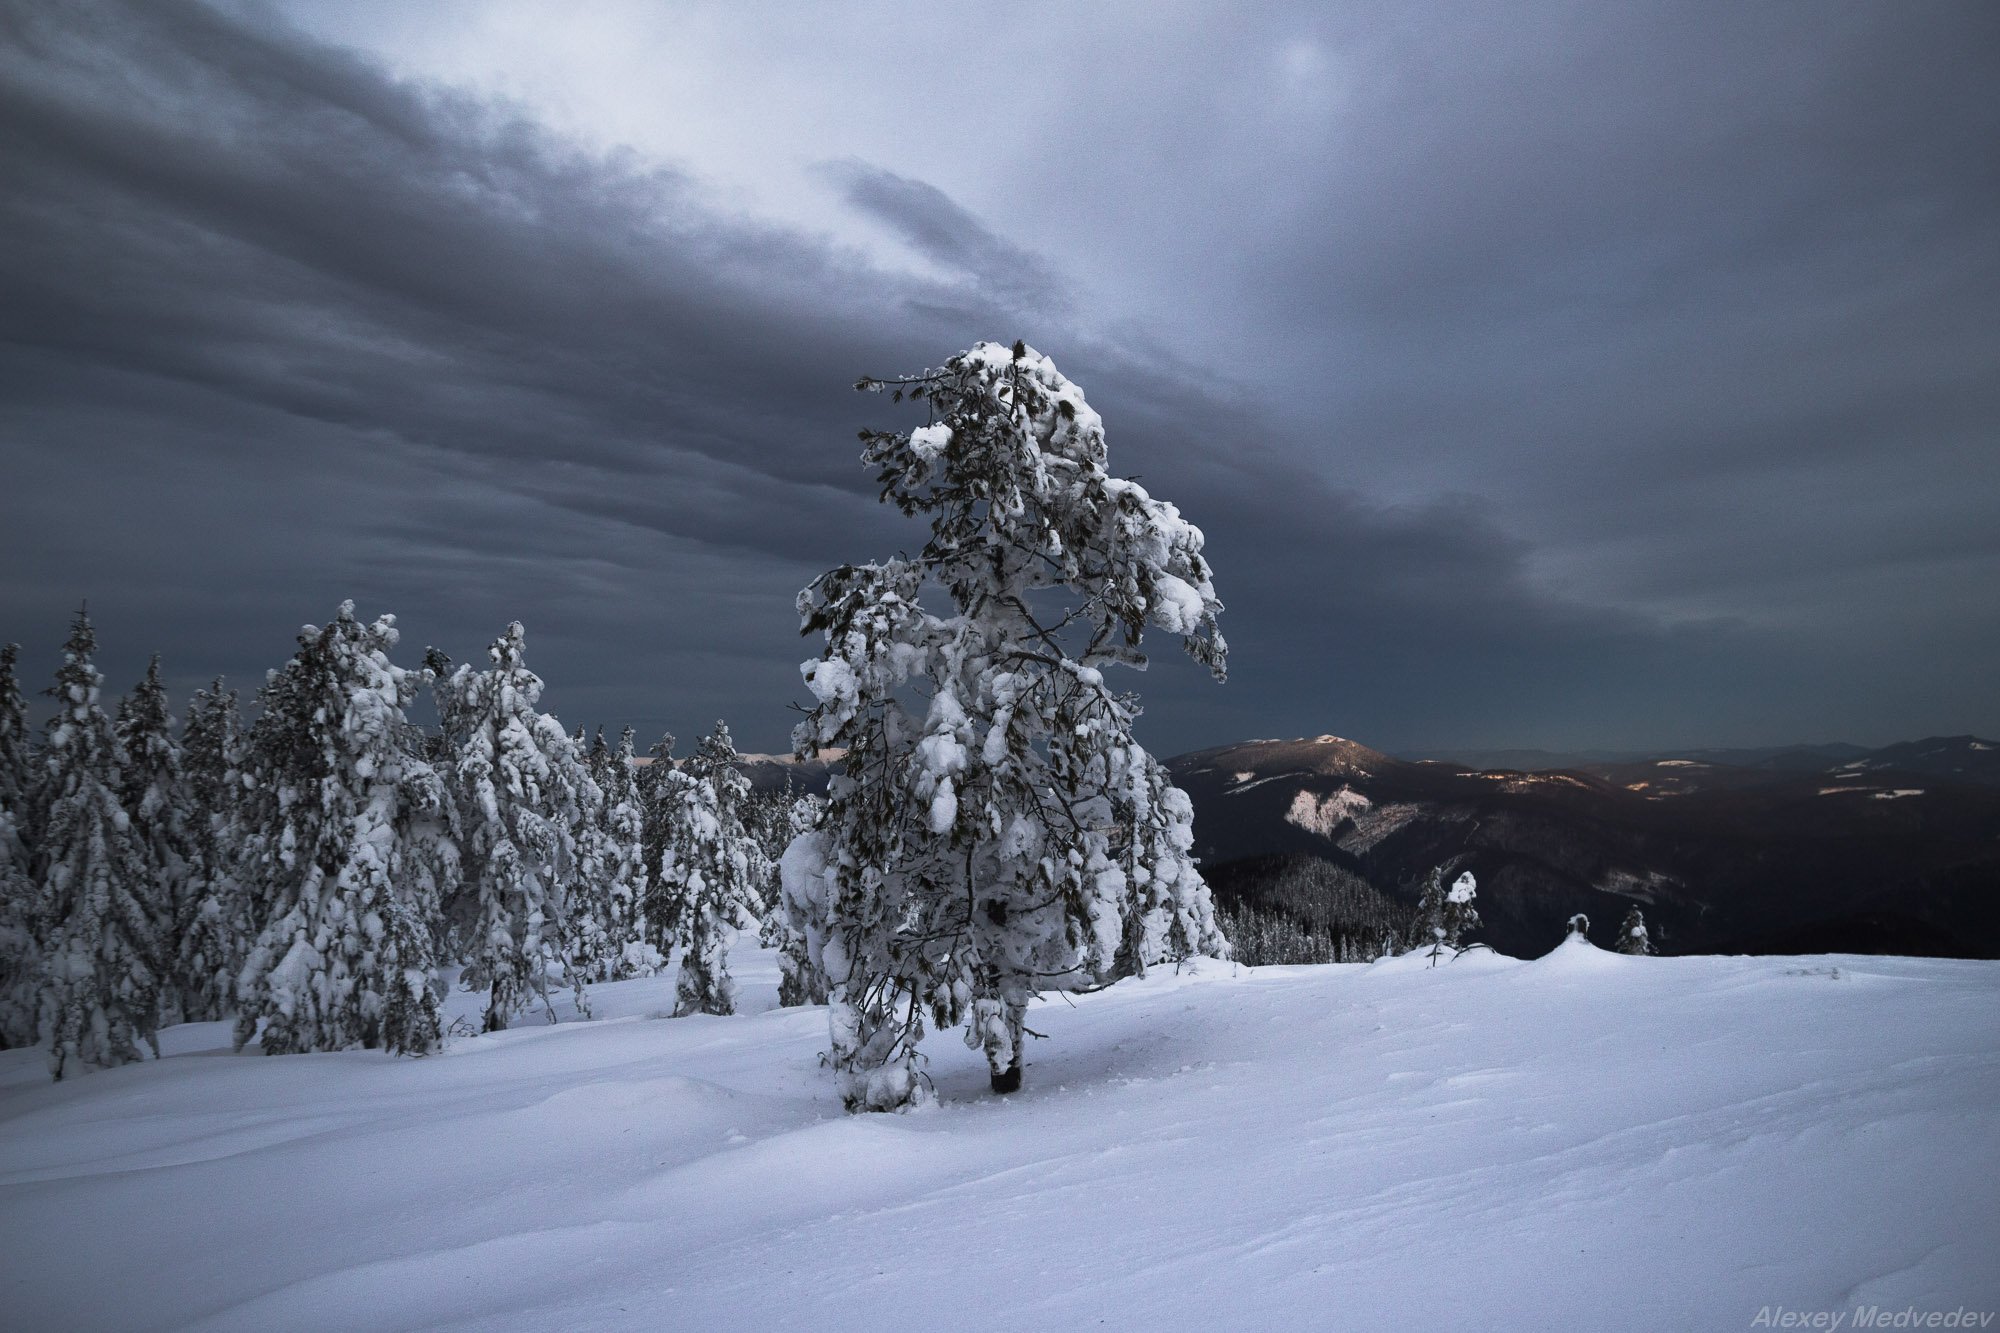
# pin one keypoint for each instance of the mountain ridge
(1893, 850)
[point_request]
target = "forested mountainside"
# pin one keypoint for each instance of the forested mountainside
(1886, 851)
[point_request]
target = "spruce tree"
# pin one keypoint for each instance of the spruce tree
(788, 927)
(709, 872)
(349, 854)
(213, 928)
(1446, 915)
(99, 930)
(995, 830)
(1632, 936)
(657, 782)
(620, 891)
(767, 819)
(1461, 918)
(522, 792)
(589, 939)
(20, 985)
(155, 797)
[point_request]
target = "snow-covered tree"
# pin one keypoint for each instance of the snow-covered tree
(994, 829)
(349, 855)
(618, 887)
(710, 872)
(155, 797)
(20, 983)
(1632, 936)
(1446, 915)
(800, 980)
(99, 929)
(606, 927)
(212, 929)
(522, 792)
(767, 817)
(1579, 929)
(590, 945)
(657, 780)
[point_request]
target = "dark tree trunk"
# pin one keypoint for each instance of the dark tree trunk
(1009, 1079)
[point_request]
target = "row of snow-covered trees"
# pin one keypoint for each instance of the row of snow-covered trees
(316, 872)
(1306, 910)
(994, 829)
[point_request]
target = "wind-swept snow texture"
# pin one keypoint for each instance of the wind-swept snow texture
(1586, 1141)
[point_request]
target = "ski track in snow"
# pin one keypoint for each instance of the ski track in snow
(1581, 1141)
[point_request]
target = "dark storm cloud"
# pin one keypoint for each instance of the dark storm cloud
(367, 339)
(1663, 271)
(280, 329)
(942, 231)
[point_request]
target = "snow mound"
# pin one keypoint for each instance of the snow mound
(1577, 956)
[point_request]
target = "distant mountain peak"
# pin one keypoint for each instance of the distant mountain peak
(1326, 755)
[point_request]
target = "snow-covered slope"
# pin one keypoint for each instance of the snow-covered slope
(1582, 1141)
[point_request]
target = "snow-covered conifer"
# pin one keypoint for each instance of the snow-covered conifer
(622, 888)
(212, 931)
(1579, 929)
(657, 781)
(790, 925)
(155, 797)
(20, 985)
(994, 829)
(590, 949)
(1460, 917)
(1429, 932)
(710, 872)
(1632, 936)
(605, 931)
(1446, 915)
(767, 817)
(98, 927)
(522, 791)
(350, 852)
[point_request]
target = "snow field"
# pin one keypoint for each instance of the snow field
(1584, 1141)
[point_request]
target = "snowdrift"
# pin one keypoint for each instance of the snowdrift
(1584, 1141)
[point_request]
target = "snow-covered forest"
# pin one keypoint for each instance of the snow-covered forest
(317, 874)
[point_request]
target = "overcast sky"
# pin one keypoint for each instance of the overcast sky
(1542, 374)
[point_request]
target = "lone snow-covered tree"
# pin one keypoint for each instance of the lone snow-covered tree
(1446, 915)
(98, 928)
(154, 794)
(212, 930)
(711, 871)
(522, 791)
(20, 981)
(1632, 936)
(1579, 929)
(350, 852)
(994, 829)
